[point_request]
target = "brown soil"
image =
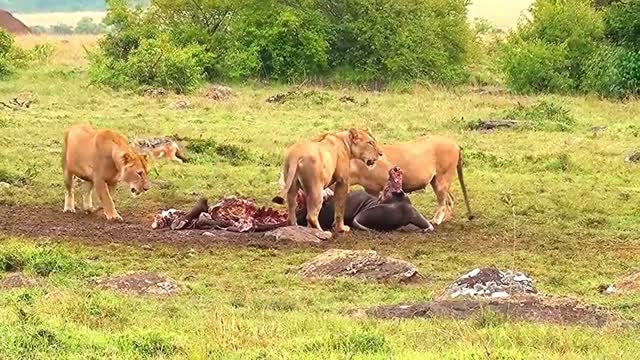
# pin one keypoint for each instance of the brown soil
(17, 280)
(564, 311)
(44, 222)
(363, 264)
(140, 283)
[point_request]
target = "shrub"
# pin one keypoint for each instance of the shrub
(565, 33)
(622, 22)
(155, 62)
(543, 115)
(61, 29)
(614, 71)
(380, 41)
(86, 25)
(358, 41)
(535, 66)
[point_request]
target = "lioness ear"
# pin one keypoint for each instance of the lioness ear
(127, 159)
(353, 134)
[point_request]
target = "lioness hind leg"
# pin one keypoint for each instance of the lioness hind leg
(69, 201)
(292, 203)
(441, 190)
(314, 204)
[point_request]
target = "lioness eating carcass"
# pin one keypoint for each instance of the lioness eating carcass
(317, 164)
(102, 158)
(427, 160)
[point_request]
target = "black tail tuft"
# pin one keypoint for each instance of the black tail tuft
(278, 200)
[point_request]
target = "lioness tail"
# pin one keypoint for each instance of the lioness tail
(291, 175)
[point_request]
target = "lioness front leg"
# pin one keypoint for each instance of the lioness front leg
(87, 198)
(107, 202)
(340, 199)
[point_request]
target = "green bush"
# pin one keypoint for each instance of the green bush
(622, 23)
(565, 33)
(399, 40)
(358, 41)
(535, 66)
(614, 72)
(155, 62)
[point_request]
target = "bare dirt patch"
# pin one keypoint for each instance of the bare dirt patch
(49, 223)
(360, 264)
(140, 283)
(17, 280)
(564, 311)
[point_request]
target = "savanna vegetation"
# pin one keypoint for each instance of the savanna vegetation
(554, 197)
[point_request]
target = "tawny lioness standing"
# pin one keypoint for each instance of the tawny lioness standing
(102, 158)
(315, 165)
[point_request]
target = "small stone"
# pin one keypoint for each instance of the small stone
(4, 185)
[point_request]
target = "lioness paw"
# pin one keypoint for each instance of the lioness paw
(344, 228)
(116, 218)
(69, 210)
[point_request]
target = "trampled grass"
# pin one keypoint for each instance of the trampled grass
(560, 205)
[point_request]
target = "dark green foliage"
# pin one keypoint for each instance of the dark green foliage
(535, 66)
(357, 41)
(622, 21)
(614, 71)
(555, 45)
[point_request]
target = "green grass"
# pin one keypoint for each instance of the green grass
(560, 205)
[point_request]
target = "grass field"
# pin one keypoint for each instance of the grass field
(559, 205)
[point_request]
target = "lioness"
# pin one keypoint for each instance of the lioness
(427, 160)
(317, 164)
(101, 158)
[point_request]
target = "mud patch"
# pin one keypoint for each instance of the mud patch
(16, 281)
(360, 264)
(140, 283)
(628, 285)
(563, 311)
(489, 282)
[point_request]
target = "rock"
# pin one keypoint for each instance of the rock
(489, 283)
(219, 93)
(140, 283)
(360, 264)
(17, 280)
(4, 185)
(633, 157)
(628, 285)
(180, 105)
(488, 125)
(598, 130)
(299, 234)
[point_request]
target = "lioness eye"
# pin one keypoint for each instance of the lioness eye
(140, 173)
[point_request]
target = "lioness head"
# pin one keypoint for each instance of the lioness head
(364, 146)
(134, 172)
